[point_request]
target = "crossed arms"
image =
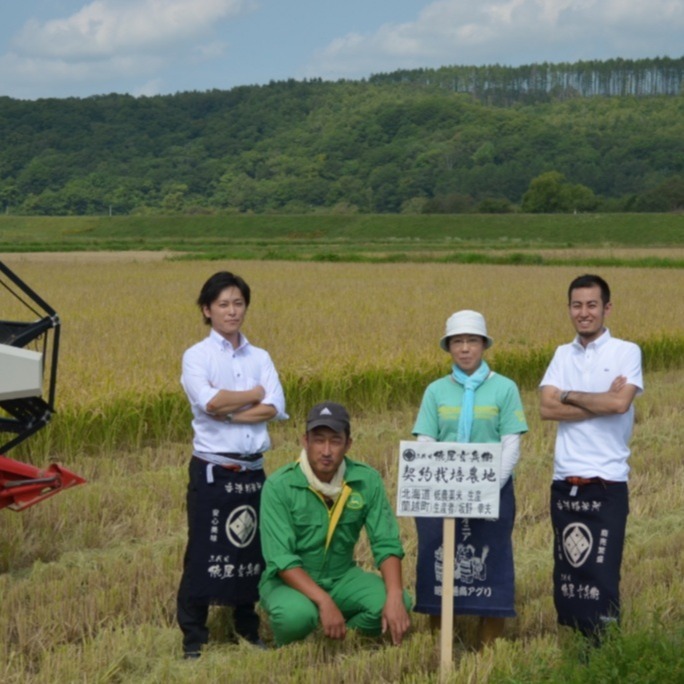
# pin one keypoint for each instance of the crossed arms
(255, 405)
(244, 405)
(584, 405)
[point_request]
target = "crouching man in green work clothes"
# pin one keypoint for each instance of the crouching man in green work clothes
(312, 513)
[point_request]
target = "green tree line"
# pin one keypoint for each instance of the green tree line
(546, 82)
(346, 146)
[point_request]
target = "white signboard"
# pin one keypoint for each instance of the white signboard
(448, 480)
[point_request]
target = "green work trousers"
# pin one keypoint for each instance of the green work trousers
(359, 595)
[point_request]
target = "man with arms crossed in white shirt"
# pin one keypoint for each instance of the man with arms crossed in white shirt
(589, 388)
(234, 390)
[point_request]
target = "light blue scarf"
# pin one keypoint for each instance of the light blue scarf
(470, 384)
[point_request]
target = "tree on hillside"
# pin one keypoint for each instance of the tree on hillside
(551, 193)
(668, 196)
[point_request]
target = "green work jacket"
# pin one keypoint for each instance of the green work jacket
(298, 530)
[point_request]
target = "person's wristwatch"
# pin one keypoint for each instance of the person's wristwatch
(564, 397)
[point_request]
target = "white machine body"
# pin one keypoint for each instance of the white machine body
(21, 372)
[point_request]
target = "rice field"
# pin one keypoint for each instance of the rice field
(88, 579)
(125, 325)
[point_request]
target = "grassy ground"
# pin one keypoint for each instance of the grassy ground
(511, 238)
(90, 576)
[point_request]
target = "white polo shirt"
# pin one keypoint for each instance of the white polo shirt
(595, 447)
(212, 365)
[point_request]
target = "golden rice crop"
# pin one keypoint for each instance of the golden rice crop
(126, 325)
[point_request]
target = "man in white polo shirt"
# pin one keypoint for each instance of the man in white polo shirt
(589, 388)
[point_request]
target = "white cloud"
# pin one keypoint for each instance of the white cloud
(106, 27)
(29, 76)
(107, 41)
(509, 32)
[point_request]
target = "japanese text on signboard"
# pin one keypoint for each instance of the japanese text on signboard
(448, 480)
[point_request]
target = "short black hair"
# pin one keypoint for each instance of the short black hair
(212, 289)
(590, 280)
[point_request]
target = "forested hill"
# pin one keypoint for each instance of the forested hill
(387, 144)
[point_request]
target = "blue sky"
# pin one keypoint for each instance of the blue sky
(67, 48)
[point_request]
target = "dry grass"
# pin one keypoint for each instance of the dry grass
(91, 594)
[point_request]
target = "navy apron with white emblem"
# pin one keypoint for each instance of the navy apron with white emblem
(223, 561)
(484, 577)
(589, 532)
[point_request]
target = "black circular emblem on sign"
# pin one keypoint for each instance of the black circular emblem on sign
(409, 455)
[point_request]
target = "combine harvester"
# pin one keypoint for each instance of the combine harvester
(24, 407)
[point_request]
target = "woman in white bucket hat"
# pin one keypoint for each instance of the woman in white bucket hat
(471, 404)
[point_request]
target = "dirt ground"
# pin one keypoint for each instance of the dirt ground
(149, 256)
(85, 257)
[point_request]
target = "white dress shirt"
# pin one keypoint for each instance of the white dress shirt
(213, 365)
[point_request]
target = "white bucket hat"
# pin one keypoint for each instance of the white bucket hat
(465, 322)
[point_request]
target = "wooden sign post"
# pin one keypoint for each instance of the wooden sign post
(448, 480)
(446, 655)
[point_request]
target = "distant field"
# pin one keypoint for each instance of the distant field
(511, 238)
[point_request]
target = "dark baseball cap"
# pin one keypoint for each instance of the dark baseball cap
(328, 414)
